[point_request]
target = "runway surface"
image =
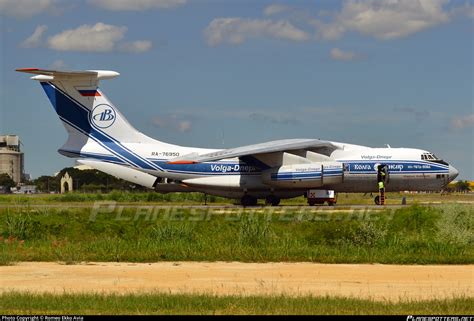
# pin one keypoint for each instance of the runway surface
(365, 281)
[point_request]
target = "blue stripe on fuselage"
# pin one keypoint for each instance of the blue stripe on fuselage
(394, 167)
(236, 168)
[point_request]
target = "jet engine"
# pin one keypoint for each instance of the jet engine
(308, 175)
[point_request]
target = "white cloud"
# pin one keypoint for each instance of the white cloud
(380, 19)
(100, 37)
(338, 54)
(384, 19)
(138, 46)
(274, 9)
(35, 39)
(136, 5)
(459, 123)
(25, 8)
(237, 30)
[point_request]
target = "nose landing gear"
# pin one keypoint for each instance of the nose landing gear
(377, 200)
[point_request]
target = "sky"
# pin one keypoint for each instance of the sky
(221, 74)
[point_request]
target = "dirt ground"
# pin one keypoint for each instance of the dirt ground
(368, 281)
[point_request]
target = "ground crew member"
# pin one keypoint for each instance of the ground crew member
(380, 174)
(381, 186)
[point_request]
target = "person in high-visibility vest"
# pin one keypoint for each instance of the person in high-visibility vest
(381, 186)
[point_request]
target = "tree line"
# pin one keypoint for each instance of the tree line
(89, 180)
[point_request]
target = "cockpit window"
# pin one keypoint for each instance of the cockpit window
(428, 156)
(432, 158)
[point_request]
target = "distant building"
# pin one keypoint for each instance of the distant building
(25, 189)
(11, 157)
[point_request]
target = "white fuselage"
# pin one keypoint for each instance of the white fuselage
(234, 178)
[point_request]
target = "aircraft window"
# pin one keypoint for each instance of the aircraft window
(429, 156)
(432, 158)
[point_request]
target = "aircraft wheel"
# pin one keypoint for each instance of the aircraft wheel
(272, 200)
(377, 200)
(248, 200)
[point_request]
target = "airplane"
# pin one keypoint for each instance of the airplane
(102, 138)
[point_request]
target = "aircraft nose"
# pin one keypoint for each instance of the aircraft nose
(453, 173)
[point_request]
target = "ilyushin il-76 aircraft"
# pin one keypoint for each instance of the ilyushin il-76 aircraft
(101, 137)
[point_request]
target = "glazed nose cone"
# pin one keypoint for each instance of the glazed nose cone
(453, 173)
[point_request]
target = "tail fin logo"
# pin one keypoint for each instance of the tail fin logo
(103, 116)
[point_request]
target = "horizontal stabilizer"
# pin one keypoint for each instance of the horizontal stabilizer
(57, 74)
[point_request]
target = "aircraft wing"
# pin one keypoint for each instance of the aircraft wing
(281, 146)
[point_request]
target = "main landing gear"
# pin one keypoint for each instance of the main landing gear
(272, 200)
(248, 200)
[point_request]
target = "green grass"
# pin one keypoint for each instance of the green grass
(410, 235)
(17, 303)
(118, 196)
(198, 198)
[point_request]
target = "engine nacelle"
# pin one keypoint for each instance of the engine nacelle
(305, 175)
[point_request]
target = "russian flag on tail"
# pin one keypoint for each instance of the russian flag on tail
(89, 92)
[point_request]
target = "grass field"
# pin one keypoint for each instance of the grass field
(410, 235)
(415, 234)
(198, 198)
(16, 303)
